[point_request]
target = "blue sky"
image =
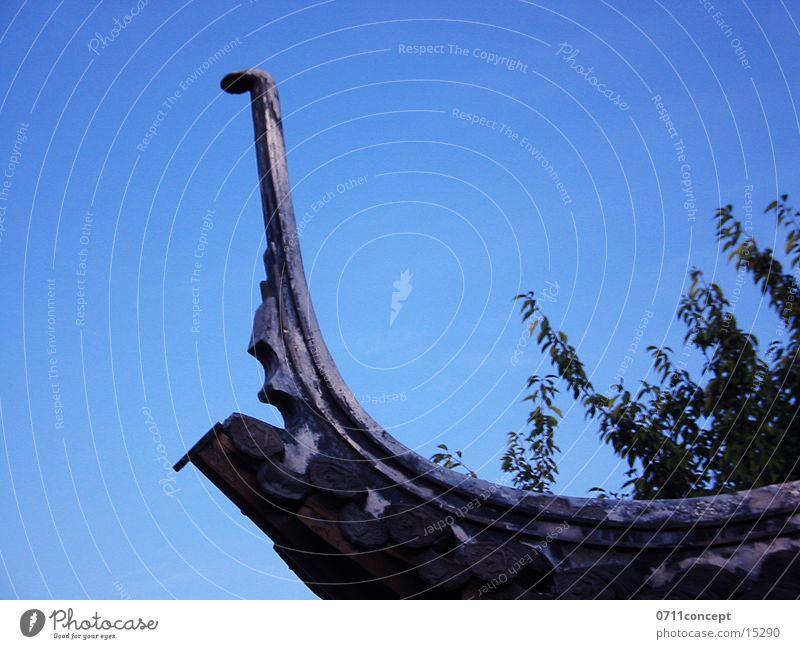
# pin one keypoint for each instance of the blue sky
(485, 148)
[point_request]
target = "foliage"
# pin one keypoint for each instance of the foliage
(735, 427)
(451, 460)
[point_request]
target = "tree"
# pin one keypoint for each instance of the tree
(734, 427)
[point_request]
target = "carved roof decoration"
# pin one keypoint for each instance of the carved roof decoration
(358, 515)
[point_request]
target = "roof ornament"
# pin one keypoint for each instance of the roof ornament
(358, 515)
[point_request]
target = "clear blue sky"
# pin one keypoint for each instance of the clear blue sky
(469, 143)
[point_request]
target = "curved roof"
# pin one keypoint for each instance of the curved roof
(357, 514)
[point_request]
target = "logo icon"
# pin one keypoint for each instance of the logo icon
(402, 289)
(31, 622)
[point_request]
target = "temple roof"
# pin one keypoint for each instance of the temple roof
(356, 514)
